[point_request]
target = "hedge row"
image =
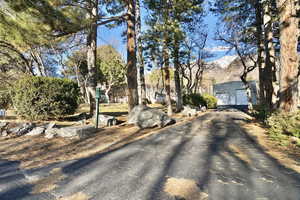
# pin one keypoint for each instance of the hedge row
(39, 98)
(200, 100)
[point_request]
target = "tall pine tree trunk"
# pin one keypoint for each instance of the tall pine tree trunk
(167, 77)
(260, 48)
(91, 56)
(140, 63)
(166, 57)
(289, 32)
(177, 77)
(132, 91)
(81, 83)
(269, 50)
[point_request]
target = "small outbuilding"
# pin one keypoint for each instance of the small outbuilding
(234, 93)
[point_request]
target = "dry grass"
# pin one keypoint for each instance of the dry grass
(38, 151)
(184, 188)
(77, 196)
(49, 183)
(111, 108)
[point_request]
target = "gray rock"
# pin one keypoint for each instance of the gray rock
(21, 129)
(4, 133)
(51, 133)
(106, 120)
(51, 125)
(3, 124)
(145, 117)
(15, 130)
(36, 131)
(25, 129)
(76, 131)
(189, 111)
(134, 114)
(203, 109)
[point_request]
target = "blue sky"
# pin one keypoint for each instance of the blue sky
(113, 37)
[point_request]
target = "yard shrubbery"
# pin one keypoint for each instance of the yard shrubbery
(200, 100)
(211, 101)
(284, 125)
(37, 98)
(5, 99)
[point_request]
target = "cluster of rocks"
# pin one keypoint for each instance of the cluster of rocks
(145, 117)
(189, 110)
(49, 130)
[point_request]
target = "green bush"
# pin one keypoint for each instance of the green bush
(5, 99)
(194, 100)
(37, 98)
(210, 101)
(198, 100)
(284, 123)
(261, 113)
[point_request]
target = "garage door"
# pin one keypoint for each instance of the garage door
(223, 98)
(241, 97)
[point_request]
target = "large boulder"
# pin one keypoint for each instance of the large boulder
(51, 133)
(3, 124)
(145, 117)
(203, 109)
(76, 131)
(21, 129)
(107, 120)
(4, 133)
(189, 111)
(36, 131)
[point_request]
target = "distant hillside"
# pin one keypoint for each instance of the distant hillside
(228, 68)
(225, 69)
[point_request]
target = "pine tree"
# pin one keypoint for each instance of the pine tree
(289, 33)
(256, 21)
(140, 60)
(132, 91)
(172, 18)
(63, 18)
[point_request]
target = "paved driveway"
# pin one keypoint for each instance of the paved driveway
(209, 158)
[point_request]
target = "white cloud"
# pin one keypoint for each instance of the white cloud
(217, 48)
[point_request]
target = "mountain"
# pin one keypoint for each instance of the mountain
(228, 68)
(224, 61)
(225, 69)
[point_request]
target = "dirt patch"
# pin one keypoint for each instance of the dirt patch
(49, 183)
(239, 153)
(77, 196)
(184, 188)
(287, 156)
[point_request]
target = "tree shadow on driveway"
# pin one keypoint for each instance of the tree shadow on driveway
(213, 150)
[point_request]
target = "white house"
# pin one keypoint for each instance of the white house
(234, 93)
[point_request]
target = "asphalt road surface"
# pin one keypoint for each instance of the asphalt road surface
(211, 157)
